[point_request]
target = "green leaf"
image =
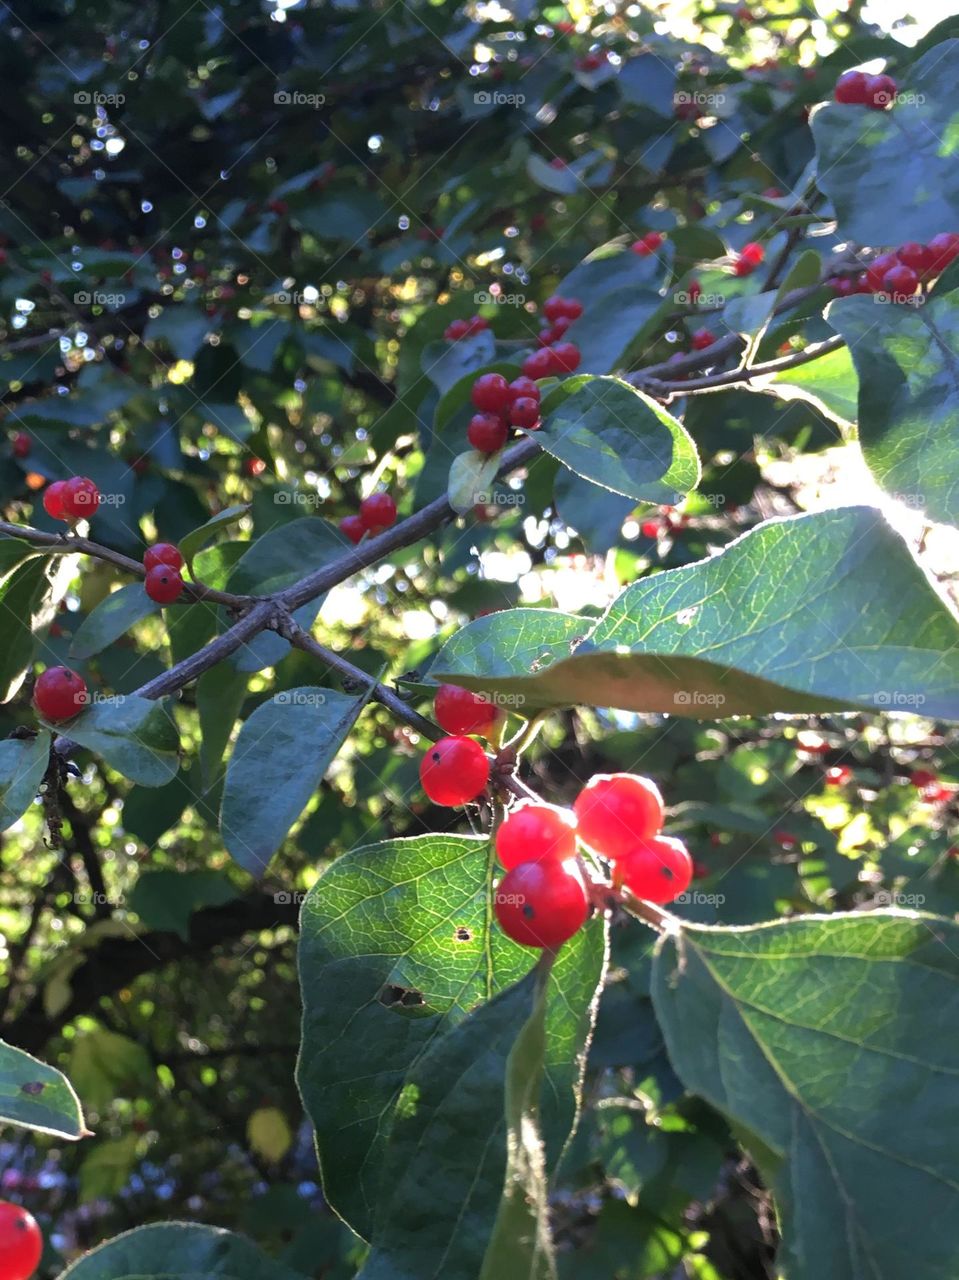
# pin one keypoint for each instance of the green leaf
(23, 762)
(521, 1244)
(165, 900)
(620, 294)
(280, 757)
(447, 363)
(820, 1039)
(181, 327)
(104, 1065)
(897, 163)
(220, 693)
(112, 618)
(811, 613)
(197, 538)
(178, 1251)
(471, 479)
(908, 396)
(829, 383)
(106, 1169)
(397, 946)
(134, 735)
(618, 437)
(24, 604)
(35, 1096)
(596, 514)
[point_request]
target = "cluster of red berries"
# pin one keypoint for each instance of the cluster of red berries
(73, 499)
(648, 244)
(376, 513)
(163, 582)
(501, 405)
(21, 1242)
(930, 788)
(560, 313)
(59, 694)
(457, 329)
(862, 90)
(900, 272)
(542, 900)
(668, 521)
(748, 259)
(456, 769)
(702, 339)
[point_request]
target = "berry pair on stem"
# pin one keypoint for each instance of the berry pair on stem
(377, 512)
(456, 770)
(73, 499)
(648, 244)
(163, 582)
(862, 90)
(457, 329)
(748, 259)
(502, 405)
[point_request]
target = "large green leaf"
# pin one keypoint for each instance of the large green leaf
(829, 383)
(24, 605)
(23, 762)
(112, 618)
(892, 175)
(610, 433)
(35, 1096)
(178, 1251)
(811, 613)
(280, 757)
(166, 899)
(824, 1040)
(136, 736)
(908, 396)
(397, 946)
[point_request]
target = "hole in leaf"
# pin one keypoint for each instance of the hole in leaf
(403, 996)
(462, 934)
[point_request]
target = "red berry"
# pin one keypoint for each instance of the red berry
(572, 309)
(615, 810)
(353, 527)
(59, 693)
(454, 771)
(901, 281)
(460, 711)
(657, 869)
(838, 775)
(162, 553)
(650, 528)
(943, 249)
(557, 162)
(254, 467)
(880, 92)
(648, 243)
(81, 497)
(566, 356)
(641, 248)
(915, 255)
(541, 904)
(591, 62)
(487, 432)
(278, 206)
(456, 329)
(876, 271)
(476, 324)
(53, 499)
(702, 339)
(377, 512)
(490, 393)
(560, 325)
(539, 364)
(21, 445)
(554, 307)
(163, 584)
(524, 412)
(753, 253)
(851, 88)
(544, 337)
(524, 387)
(772, 193)
(922, 778)
(694, 291)
(21, 1242)
(533, 832)
(841, 286)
